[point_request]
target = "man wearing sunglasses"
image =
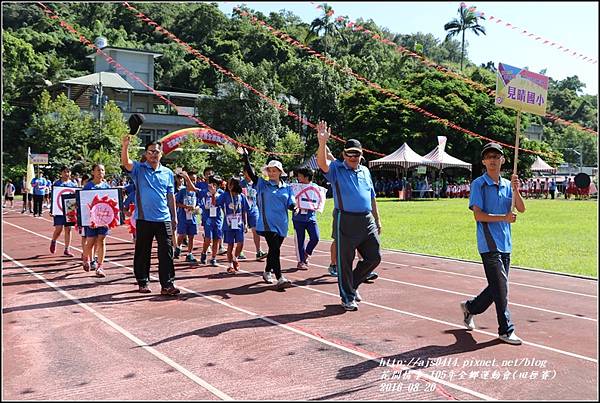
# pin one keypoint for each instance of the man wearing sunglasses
(356, 220)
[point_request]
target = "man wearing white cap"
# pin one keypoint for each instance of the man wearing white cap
(356, 220)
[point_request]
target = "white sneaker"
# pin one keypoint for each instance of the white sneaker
(283, 283)
(467, 317)
(350, 306)
(357, 296)
(268, 277)
(511, 339)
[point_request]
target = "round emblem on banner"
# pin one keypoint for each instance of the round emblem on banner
(103, 212)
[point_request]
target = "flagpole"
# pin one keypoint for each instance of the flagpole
(512, 206)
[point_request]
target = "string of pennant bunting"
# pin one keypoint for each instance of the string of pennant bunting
(288, 39)
(429, 63)
(230, 74)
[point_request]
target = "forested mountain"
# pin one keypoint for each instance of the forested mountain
(36, 49)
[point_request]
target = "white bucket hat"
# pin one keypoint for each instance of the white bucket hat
(274, 164)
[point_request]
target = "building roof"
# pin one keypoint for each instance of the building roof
(110, 80)
(104, 49)
(189, 95)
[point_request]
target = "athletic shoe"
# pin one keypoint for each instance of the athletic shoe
(190, 258)
(350, 306)
(372, 276)
(221, 251)
(261, 255)
(230, 270)
(171, 290)
(357, 296)
(242, 256)
(511, 339)
(144, 289)
(203, 258)
(213, 262)
(177, 252)
(86, 265)
(94, 264)
(268, 277)
(52, 247)
(300, 266)
(467, 317)
(68, 253)
(236, 266)
(100, 272)
(283, 283)
(332, 270)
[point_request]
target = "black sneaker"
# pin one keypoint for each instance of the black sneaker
(171, 290)
(372, 276)
(203, 258)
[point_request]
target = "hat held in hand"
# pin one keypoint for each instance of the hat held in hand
(135, 122)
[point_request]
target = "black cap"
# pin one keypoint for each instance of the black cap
(353, 145)
(135, 122)
(492, 146)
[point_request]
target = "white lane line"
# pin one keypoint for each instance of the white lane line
(567, 353)
(470, 295)
(196, 379)
(298, 331)
(472, 276)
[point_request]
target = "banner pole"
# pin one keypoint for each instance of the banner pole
(512, 206)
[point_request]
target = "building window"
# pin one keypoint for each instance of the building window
(146, 136)
(161, 133)
(138, 109)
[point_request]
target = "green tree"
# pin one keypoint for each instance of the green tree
(467, 20)
(330, 26)
(191, 155)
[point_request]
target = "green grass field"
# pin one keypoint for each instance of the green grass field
(556, 235)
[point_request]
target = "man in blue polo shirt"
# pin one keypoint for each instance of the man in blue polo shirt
(356, 219)
(154, 214)
(490, 199)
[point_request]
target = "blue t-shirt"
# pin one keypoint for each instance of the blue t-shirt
(152, 187)
(352, 189)
(91, 185)
(251, 195)
(207, 203)
(130, 198)
(39, 186)
(273, 204)
(67, 184)
(189, 199)
(233, 207)
(492, 198)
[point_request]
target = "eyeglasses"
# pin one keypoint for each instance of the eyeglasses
(353, 155)
(153, 151)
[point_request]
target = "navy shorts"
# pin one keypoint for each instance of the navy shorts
(93, 232)
(187, 227)
(59, 220)
(233, 236)
(213, 231)
(252, 220)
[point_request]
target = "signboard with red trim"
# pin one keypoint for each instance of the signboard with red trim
(309, 196)
(56, 209)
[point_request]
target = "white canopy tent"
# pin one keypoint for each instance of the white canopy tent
(539, 165)
(404, 157)
(442, 159)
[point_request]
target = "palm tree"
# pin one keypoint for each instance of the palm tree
(329, 25)
(468, 20)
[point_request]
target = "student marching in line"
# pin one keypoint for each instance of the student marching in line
(60, 220)
(95, 237)
(212, 218)
(275, 198)
(305, 221)
(9, 193)
(187, 201)
(235, 206)
(253, 216)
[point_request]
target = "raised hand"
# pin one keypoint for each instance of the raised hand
(323, 132)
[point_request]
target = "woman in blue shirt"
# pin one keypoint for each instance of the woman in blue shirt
(274, 198)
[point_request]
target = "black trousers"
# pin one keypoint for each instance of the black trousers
(146, 231)
(37, 204)
(274, 241)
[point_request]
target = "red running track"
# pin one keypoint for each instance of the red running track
(70, 335)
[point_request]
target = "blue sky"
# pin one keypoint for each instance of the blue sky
(573, 25)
